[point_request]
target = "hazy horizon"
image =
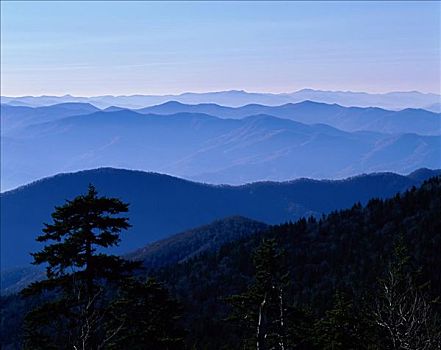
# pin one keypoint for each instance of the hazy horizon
(227, 90)
(126, 48)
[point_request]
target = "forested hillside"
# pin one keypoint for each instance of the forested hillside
(331, 271)
(346, 251)
(186, 245)
(171, 250)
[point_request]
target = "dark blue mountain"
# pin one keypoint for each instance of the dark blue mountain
(161, 205)
(177, 248)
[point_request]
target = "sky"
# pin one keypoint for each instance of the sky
(96, 48)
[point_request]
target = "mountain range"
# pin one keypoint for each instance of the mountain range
(206, 148)
(161, 205)
(235, 98)
(408, 120)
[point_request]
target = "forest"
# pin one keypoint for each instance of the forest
(361, 278)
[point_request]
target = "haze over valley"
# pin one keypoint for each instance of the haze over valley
(217, 144)
(236, 98)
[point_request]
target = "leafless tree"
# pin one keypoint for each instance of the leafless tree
(271, 326)
(405, 315)
(90, 319)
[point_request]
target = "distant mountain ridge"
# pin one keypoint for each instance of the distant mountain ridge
(162, 205)
(209, 149)
(235, 98)
(409, 120)
(13, 117)
(436, 107)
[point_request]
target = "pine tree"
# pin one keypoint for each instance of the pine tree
(145, 317)
(79, 276)
(340, 328)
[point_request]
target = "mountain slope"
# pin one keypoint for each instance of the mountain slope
(208, 149)
(20, 116)
(174, 249)
(185, 245)
(346, 252)
(161, 205)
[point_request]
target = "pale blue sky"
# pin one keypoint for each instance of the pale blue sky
(96, 48)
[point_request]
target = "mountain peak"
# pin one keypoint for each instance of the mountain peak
(171, 103)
